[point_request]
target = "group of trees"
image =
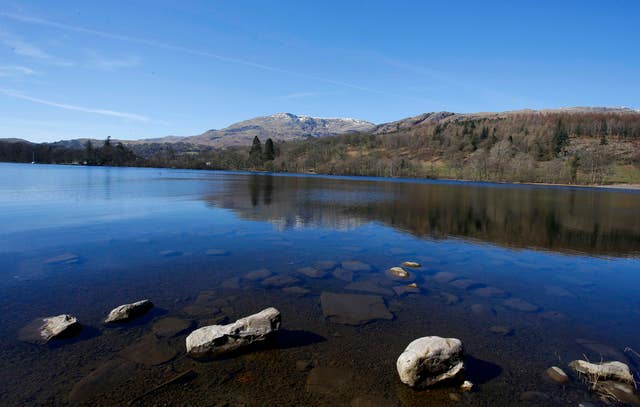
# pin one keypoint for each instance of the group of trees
(576, 148)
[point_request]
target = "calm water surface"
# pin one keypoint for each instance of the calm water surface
(186, 240)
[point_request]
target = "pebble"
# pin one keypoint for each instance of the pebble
(411, 264)
(556, 374)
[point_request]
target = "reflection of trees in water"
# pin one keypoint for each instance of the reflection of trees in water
(591, 221)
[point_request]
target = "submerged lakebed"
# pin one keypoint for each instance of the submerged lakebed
(527, 277)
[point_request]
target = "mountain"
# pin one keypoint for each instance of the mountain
(279, 127)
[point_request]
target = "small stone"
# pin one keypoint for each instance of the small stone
(257, 274)
(556, 374)
(398, 272)
(429, 360)
(127, 312)
(411, 264)
(466, 386)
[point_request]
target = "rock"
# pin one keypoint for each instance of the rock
(444, 277)
(65, 258)
(616, 371)
(149, 351)
(622, 392)
(342, 274)
(466, 386)
(501, 330)
(559, 291)
(171, 326)
(483, 311)
(370, 286)
(329, 380)
(518, 304)
(326, 265)
(257, 274)
(127, 312)
(217, 252)
(43, 330)
(296, 290)
(398, 272)
(411, 264)
(430, 360)
(215, 340)
(312, 272)
(490, 292)
(280, 280)
(353, 309)
(406, 289)
(354, 265)
(556, 374)
(464, 284)
(450, 299)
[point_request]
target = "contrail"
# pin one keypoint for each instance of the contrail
(104, 112)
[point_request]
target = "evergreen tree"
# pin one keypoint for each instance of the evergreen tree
(560, 138)
(269, 151)
(255, 154)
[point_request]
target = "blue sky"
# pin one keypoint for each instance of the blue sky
(138, 69)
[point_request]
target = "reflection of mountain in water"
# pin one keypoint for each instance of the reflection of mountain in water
(584, 220)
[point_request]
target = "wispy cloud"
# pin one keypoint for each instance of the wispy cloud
(179, 48)
(103, 112)
(13, 71)
(30, 50)
(99, 61)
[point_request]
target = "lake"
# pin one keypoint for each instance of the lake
(526, 276)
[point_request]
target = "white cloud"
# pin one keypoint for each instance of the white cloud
(99, 61)
(104, 112)
(29, 50)
(13, 71)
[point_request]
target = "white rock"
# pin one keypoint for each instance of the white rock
(128, 311)
(616, 371)
(215, 340)
(399, 272)
(57, 326)
(430, 360)
(466, 386)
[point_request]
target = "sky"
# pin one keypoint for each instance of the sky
(139, 69)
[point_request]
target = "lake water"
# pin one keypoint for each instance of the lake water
(527, 277)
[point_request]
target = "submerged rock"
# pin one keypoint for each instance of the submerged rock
(342, 274)
(296, 290)
(444, 277)
(616, 371)
(354, 265)
(450, 299)
(490, 292)
(407, 289)
(215, 340)
(45, 329)
(353, 309)
(127, 312)
(518, 304)
(483, 311)
(370, 286)
(501, 330)
(280, 280)
(257, 274)
(556, 374)
(171, 326)
(326, 265)
(465, 284)
(312, 272)
(429, 360)
(149, 351)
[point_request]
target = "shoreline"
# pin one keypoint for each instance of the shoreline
(618, 186)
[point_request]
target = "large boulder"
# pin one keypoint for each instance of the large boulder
(429, 360)
(127, 312)
(215, 340)
(616, 371)
(43, 330)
